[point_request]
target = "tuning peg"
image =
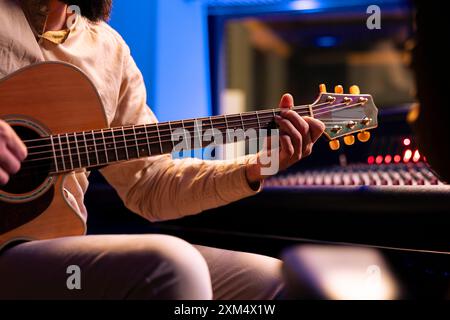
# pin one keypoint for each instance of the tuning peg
(413, 114)
(364, 136)
(323, 88)
(349, 140)
(335, 145)
(339, 89)
(355, 90)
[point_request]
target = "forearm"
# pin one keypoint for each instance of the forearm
(162, 188)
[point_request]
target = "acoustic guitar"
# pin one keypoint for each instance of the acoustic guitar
(65, 130)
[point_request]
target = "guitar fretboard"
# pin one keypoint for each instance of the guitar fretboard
(90, 149)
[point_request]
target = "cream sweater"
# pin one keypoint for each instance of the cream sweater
(158, 188)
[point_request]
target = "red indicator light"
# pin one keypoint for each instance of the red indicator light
(416, 157)
(397, 159)
(379, 160)
(407, 156)
(371, 160)
(388, 159)
(406, 142)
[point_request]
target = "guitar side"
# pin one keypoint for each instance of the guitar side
(46, 98)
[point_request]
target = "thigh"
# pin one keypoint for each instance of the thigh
(242, 276)
(111, 267)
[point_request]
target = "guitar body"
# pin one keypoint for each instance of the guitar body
(40, 100)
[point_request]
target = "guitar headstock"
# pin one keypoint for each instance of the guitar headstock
(345, 115)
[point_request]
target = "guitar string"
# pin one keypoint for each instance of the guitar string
(139, 143)
(340, 109)
(218, 117)
(175, 123)
(229, 119)
(110, 139)
(60, 150)
(94, 133)
(102, 151)
(28, 169)
(75, 151)
(63, 158)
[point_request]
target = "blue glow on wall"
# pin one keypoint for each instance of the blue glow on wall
(182, 60)
(327, 41)
(136, 23)
(169, 41)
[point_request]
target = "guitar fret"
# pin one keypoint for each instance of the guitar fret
(208, 132)
(70, 150)
(54, 154)
(87, 149)
(274, 126)
(185, 137)
(227, 132)
(171, 135)
(257, 118)
(78, 150)
(159, 138)
(136, 140)
(148, 140)
(125, 143)
(95, 146)
(211, 122)
(104, 144)
(115, 145)
(199, 133)
(242, 122)
(62, 154)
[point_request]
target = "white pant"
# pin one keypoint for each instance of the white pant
(135, 267)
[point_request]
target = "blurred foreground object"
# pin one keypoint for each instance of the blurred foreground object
(430, 65)
(338, 273)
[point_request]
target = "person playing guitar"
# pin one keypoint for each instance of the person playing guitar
(158, 188)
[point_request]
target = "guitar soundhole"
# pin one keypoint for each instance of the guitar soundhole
(35, 169)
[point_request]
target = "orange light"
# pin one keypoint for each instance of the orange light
(406, 142)
(388, 159)
(397, 158)
(407, 156)
(371, 160)
(379, 160)
(416, 157)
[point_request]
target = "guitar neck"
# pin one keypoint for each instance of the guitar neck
(343, 115)
(90, 149)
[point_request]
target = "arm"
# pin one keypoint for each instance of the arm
(161, 188)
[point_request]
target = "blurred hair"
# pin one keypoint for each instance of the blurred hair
(94, 10)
